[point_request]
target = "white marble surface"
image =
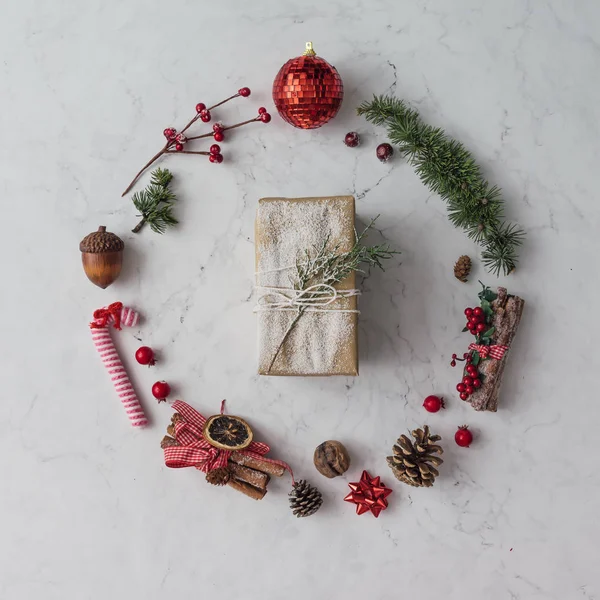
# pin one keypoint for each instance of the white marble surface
(87, 508)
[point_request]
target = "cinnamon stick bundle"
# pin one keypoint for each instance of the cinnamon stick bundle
(248, 475)
(507, 316)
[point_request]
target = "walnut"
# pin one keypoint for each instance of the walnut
(331, 458)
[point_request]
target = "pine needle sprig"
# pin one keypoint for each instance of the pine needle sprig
(326, 266)
(449, 169)
(155, 203)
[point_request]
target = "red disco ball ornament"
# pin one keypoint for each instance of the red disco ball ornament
(307, 91)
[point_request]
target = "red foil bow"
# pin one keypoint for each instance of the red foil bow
(195, 451)
(369, 494)
(103, 315)
(495, 351)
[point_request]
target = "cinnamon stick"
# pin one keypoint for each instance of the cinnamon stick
(252, 476)
(257, 463)
(247, 489)
(507, 316)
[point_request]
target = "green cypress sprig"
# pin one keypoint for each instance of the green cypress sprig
(449, 169)
(155, 203)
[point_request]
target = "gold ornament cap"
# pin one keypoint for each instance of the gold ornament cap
(309, 50)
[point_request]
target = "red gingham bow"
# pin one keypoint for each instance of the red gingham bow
(103, 315)
(496, 351)
(195, 451)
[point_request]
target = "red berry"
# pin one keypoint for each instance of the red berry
(471, 370)
(352, 139)
(215, 149)
(470, 389)
(265, 117)
(476, 383)
(454, 355)
(212, 158)
(218, 158)
(244, 92)
(481, 327)
(384, 152)
(464, 396)
(169, 133)
(160, 390)
(461, 387)
(468, 312)
(218, 136)
(463, 437)
(218, 127)
(467, 380)
(433, 403)
(178, 147)
(145, 356)
(200, 107)
(473, 331)
(478, 311)
(453, 363)
(474, 319)
(262, 110)
(205, 116)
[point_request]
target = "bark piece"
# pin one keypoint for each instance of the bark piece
(247, 489)
(252, 476)
(167, 442)
(507, 316)
(257, 463)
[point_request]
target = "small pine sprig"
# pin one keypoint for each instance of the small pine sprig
(327, 266)
(450, 170)
(155, 203)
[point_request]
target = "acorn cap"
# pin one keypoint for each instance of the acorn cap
(101, 241)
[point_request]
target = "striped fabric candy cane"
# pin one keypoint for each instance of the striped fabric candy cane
(116, 315)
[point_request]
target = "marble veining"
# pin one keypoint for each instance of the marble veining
(87, 508)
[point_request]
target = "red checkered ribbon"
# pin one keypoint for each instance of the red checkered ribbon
(496, 351)
(102, 316)
(195, 451)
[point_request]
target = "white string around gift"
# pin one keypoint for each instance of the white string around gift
(310, 299)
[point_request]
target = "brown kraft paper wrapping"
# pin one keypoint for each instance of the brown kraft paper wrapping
(321, 343)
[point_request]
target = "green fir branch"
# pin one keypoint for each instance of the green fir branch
(449, 169)
(155, 203)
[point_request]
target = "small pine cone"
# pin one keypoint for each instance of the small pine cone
(415, 462)
(218, 476)
(305, 500)
(462, 268)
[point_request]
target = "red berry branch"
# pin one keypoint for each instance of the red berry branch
(177, 140)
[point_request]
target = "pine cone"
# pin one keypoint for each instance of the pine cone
(414, 463)
(305, 500)
(462, 268)
(218, 476)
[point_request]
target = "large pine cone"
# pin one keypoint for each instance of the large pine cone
(305, 500)
(462, 268)
(415, 462)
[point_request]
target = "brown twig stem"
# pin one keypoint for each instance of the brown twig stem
(285, 337)
(139, 226)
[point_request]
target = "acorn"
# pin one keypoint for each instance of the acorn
(102, 256)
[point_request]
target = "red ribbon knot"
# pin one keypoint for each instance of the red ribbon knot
(102, 316)
(496, 351)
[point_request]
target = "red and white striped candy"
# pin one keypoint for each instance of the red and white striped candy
(116, 370)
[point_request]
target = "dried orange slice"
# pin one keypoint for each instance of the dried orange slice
(227, 432)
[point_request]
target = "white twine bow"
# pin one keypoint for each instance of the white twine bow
(311, 299)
